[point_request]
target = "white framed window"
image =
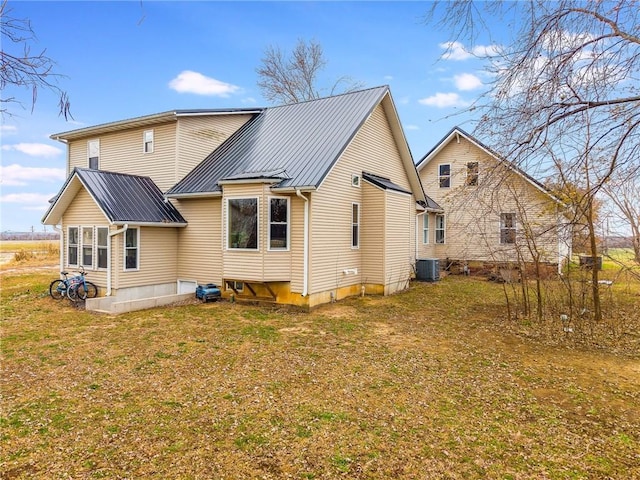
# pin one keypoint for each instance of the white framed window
(278, 223)
(242, 223)
(507, 228)
(444, 175)
(440, 229)
(87, 247)
(355, 225)
(72, 246)
(234, 285)
(147, 141)
(355, 180)
(425, 228)
(132, 249)
(93, 154)
(102, 246)
(472, 174)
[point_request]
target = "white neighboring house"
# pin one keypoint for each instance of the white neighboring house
(493, 211)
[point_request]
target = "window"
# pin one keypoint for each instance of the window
(440, 229)
(355, 180)
(131, 249)
(472, 174)
(93, 152)
(507, 228)
(234, 285)
(425, 228)
(87, 246)
(355, 225)
(444, 175)
(242, 226)
(147, 141)
(279, 223)
(102, 246)
(72, 246)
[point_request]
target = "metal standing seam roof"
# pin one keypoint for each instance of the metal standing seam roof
(302, 140)
(126, 198)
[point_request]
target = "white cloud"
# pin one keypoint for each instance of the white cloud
(8, 129)
(411, 127)
(16, 175)
(457, 51)
(194, 82)
(29, 200)
(34, 149)
(444, 100)
(467, 81)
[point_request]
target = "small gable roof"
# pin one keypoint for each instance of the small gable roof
(457, 131)
(293, 146)
(122, 199)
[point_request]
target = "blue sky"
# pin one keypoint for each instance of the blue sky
(132, 58)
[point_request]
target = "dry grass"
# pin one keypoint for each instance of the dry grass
(29, 253)
(426, 384)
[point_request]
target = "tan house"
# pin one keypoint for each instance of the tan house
(299, 204)
(493, 211)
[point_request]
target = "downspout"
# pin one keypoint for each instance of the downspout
(305, 254)
(112, 234)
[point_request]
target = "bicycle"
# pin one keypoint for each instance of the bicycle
(75, 288)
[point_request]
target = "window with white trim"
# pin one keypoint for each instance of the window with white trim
(147, 141)
(355, 225)
(242, 223)
(440, 229)
(507, 228)
(444, 175)
(355, 180)
(425, 228)
(72, 246)
(279, 223)
(132, 248)
(102, 245)
(93, 154)
(87, 246)
(472, 174)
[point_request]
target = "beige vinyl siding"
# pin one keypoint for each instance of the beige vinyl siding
(372, 150)
(373, 234)
(201, 245)
(399, 253)
(122, 152)
(426, 250)
(198, 136)
(473, 213)
(158, 252)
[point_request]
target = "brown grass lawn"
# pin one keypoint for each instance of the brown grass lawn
(430, 383)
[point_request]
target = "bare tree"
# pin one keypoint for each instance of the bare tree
(624, 192)
(566, 83)
(294, 78)
(23, 69)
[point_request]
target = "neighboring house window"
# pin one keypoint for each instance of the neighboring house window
(132, 249)
(242, 225)
(472, 174)
(440, 229)
(444, 175)
(425, 228)
(355, 225)
(93, 152)
(279, 223)
(147, 146)
(72, 246)
(507, 228)
(102, 246)
(87, 246)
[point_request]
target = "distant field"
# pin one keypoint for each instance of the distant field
(29, 251)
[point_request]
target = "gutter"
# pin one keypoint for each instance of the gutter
(305, 254)
(112, 234)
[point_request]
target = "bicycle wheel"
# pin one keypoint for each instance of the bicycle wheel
(57, 289)
(87, 290)
(72, 293)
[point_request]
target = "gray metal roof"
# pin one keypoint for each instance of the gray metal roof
(303, 140)
(124, 198)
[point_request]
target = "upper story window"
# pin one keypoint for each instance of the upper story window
(440, 229)
(355, 225)
(355, 180)
(507, 228)
(444, 175)
(242, 223)
(425, 228)
(147, 141)
(472, 174)
(93, 153)
(279, 223)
